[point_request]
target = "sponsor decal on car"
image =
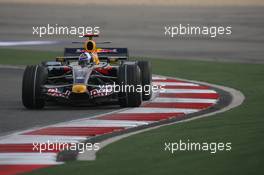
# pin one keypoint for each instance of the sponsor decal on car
(55, 92)
(102, 92)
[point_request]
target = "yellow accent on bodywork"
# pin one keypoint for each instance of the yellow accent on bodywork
(60, 59)
(95, 58)
(79, 88)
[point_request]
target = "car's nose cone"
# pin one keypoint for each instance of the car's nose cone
(79, 88)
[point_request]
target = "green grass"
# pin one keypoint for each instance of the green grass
(25, 57)
(144, 153)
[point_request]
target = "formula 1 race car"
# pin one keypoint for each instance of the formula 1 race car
(88, 75)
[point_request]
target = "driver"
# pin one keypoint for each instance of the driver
(84, 59)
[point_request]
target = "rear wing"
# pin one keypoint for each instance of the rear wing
(116, 53)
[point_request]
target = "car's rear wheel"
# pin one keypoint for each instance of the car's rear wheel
(129, 78)
(146, 79)
(33, 79)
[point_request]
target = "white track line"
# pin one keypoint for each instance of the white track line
(196, 91)
(183, 100)
(103, 123)
(26, 43)
(159, 78)
(28, 159)
(158, 110)
(24, 139)
(174, 84)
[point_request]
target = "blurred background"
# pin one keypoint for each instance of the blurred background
(139, 25)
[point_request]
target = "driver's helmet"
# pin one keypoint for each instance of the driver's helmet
(85, 59)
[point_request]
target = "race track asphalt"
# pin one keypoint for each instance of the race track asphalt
(14, 117)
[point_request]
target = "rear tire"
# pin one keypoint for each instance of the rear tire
(146, 78)
(129, 74)
(34, 77)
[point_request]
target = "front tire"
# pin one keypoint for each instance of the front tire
(33, 79)
(129, 75)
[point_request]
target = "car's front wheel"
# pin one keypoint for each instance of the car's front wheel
(33, 79)
(129, 79)
(146, 79)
